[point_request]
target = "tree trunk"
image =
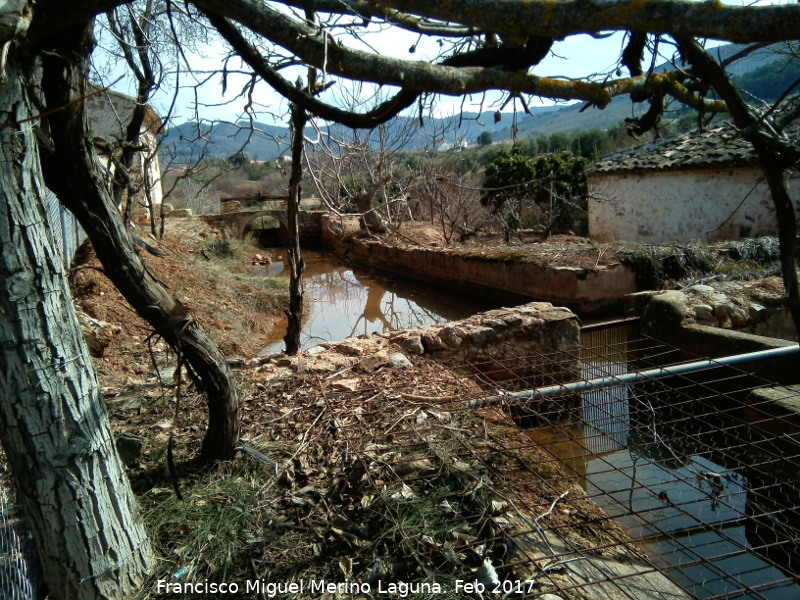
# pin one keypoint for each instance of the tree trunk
(296, 265)
(55, 432)
(370, 220)
(773, 162)
(72, 172)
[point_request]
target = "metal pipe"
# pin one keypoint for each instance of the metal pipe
(636, 376)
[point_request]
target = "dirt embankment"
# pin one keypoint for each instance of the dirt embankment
(209, 275)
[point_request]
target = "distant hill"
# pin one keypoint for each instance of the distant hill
(184, 143)
(749, 72)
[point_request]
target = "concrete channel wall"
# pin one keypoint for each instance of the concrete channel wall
(583, 290)
(669, 317)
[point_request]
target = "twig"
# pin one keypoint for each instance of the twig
(417, 398)
(173, 472)
(53, 111)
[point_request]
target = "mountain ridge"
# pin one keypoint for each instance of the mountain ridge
(184, 143)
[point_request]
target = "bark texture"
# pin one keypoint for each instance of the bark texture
(53, 424)
(296, 265)
(73, 173)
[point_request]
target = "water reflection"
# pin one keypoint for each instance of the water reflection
(716, 523)
(343, 302)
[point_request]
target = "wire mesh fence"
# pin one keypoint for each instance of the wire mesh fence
(64, 227)
(686, 487)
(697, 469)
(17, 563)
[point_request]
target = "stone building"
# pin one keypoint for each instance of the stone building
(109, 114)
(702, 186)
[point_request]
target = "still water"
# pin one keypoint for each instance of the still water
(342, 302)
(712, 516)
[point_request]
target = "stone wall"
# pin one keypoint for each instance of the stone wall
(586, 290)
(235, 223)
(534, 344)
(525, 346)
(671, 317)
(680, 206)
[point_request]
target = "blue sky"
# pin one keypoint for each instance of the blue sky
(576, 57)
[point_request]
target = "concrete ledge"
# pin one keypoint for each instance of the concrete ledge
(776, 410)
(585, 290)
(668, 318)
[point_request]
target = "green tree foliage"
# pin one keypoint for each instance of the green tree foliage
(238, 159)
(554, 183)
(485, 138)
(510, 176)
(568, 188)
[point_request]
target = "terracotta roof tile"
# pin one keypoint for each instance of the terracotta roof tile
(716, 146)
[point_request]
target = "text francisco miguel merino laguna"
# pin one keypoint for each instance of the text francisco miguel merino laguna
(312, 586)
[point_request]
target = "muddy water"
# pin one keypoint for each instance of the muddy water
(344, 302)
(701, 509)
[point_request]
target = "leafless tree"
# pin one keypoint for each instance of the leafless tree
(97, 548)
(362, 171)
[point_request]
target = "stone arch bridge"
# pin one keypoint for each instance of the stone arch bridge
(235, 223)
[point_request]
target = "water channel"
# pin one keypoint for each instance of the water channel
(671, 480)
(342, 301)
(708, 497)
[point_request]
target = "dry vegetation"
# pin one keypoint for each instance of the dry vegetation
(209, 274)
(351, 469)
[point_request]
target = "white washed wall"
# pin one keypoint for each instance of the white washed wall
(109, 114)
(681, 206)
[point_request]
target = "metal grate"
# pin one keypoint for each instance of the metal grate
(64, 227)
(17, 563)
(698, 471)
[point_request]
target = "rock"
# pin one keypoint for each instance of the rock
(728, 286)
(236, 363)
(723, 310)
(432, 342)
(699, 288)
(413, 344)
(98, 334)
(130, 448)
(739, 317)
(169, 376)
(350, 347)
(398, 360)
(316, 350)
(452, 336)
(482, 335)
(496, 325)
(373, 362)
(757, 312)
(718, 298)
(703, 312)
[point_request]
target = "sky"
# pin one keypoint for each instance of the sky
(578, 56)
